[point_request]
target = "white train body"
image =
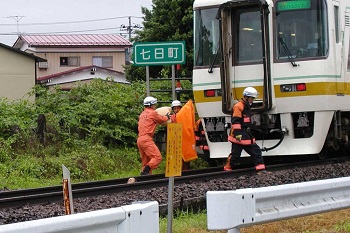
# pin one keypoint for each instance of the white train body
(295, 53)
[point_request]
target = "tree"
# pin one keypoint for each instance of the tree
(169, 20)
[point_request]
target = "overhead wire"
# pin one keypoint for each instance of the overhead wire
(88, 30)
(70, 22)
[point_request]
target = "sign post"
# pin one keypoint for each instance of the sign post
(173, 164)
(67, 191)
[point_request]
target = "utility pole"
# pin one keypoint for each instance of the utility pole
(129, 28)
(17, 18)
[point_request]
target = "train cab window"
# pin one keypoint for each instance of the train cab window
(301, 29)
(248, 41)
(206, 37)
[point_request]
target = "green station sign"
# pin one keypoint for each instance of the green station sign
(159, 53)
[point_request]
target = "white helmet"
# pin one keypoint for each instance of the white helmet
(176, 103)
(250, 92)
(149, 100)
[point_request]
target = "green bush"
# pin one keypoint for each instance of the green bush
(92, 130)
(101, 112)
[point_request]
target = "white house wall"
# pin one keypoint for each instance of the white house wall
(85, 75)
(85, 60)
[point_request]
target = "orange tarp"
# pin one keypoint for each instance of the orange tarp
(186, 117)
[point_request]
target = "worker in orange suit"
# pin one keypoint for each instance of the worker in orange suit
(148, 120)
(240, 135)
(176, 106)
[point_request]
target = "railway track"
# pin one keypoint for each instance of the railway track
(16, 198)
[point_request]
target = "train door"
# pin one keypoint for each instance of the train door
(245, 52)
(338, 48)
(346, 47)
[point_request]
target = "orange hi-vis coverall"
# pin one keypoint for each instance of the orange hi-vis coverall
(150, 154)
(241, 137)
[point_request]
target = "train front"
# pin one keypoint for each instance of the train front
(295, 53)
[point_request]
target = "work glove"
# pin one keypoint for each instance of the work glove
(238, 137)
(168, 116)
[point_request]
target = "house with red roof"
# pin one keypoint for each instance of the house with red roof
(73, 55)
(82, 75)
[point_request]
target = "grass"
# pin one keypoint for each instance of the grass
(331, 222)
(33, 170)
(185, 222)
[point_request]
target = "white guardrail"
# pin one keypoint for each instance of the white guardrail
(232, 210)
(138, 217)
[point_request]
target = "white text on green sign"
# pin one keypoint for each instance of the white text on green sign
(159, 53)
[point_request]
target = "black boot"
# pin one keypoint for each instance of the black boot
(145, 171)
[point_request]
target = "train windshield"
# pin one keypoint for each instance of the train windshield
(206, 34)
(301, 29)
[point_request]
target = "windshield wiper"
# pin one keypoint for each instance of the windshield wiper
(210, 70)
(284, 45)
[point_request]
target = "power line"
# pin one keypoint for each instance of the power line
(130, 28)
(87, 30)
(121, 30)
(67, 22)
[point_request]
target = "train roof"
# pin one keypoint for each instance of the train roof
(204, 3)
(211, 3)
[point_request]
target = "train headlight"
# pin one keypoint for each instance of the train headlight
(293, 87)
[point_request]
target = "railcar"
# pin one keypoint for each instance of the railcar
(294, 52)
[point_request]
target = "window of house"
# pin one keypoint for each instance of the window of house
(106, 62)
(69, 61)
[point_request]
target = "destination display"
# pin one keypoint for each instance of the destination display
(293, 5)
